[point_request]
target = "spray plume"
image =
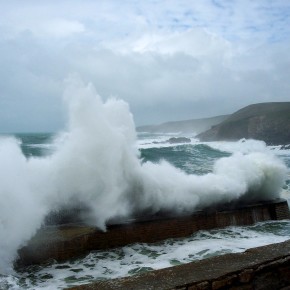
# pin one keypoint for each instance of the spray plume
(97, 164)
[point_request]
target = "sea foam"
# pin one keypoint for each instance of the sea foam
(96, 163)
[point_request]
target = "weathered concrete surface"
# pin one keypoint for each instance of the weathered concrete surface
(265, 267)
(58, 243)
(68, 241)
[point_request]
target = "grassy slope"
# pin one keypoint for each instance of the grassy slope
(266, 121)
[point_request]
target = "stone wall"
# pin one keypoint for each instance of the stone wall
(264, 268)
(68, 241)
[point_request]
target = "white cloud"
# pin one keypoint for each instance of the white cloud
(60, 28)
(195, 42)
(175, 61)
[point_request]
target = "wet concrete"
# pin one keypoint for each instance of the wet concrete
(62, 242)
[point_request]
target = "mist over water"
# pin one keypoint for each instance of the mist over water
(96, 163)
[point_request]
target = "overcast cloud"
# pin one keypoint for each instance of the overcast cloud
(170, 60)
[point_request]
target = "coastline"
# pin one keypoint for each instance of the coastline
(266, 267)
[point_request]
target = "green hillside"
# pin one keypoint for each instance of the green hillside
(269, 122)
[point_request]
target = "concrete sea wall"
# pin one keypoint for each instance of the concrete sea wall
(72, 240)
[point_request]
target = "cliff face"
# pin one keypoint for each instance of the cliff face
(269, 122)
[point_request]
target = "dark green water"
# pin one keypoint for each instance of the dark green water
(192, 158)
(35, 144)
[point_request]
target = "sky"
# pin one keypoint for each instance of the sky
(168, 59)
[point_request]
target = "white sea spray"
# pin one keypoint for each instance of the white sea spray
(96, 163)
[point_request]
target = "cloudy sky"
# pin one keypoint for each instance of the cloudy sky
(169, 59)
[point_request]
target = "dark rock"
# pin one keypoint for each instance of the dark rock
(174, 140)
(285, 147)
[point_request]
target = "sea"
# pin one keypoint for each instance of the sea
(197, 162)
(99, 162)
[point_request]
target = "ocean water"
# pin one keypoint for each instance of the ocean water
(100, 162)
(194, 158)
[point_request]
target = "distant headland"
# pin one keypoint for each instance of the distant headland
(269, 122)
(188, 126)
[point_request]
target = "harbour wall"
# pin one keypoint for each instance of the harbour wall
(72, 240)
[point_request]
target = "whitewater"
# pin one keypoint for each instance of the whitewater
(100, 162)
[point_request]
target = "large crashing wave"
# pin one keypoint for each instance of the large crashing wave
(97, 164)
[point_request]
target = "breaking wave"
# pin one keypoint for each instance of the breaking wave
(96, 163)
